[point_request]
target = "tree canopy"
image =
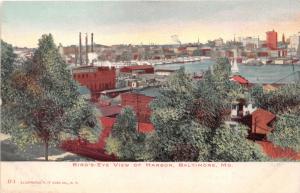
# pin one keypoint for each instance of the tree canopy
(287, 130)
(285, 103)
(277, 101)
(189, 117)
(45, 102)
(125, 140)
(7, 67)
(231, 144)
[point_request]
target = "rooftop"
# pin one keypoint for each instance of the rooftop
(239, 79)
(261, 120)
(149, 91)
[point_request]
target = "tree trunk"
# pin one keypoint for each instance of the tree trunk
(46, 150)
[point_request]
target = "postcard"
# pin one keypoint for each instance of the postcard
(150, 96)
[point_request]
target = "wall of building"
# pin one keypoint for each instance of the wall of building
(140, 104)
(143, 69)
(96, 79)
(272, 40)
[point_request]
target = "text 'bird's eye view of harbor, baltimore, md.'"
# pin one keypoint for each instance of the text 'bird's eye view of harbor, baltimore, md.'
(196, 81)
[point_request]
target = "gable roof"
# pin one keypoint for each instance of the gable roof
(260, 120)
(239, 79)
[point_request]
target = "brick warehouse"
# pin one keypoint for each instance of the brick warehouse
(139, 103)
(97, 79)
(142, 69)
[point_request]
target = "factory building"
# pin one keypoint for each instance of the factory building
(139, 103)
(138, 69)
(96, 79)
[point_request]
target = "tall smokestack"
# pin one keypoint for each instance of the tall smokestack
(92, 42)
(80, 50)
(76, 55)
(86, 50)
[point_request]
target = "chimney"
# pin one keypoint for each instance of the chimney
(76, 55)
(80, 50)
(92, 42)
(86, 50)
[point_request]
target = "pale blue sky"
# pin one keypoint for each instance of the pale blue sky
(135, 22)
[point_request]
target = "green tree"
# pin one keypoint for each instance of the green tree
(285, 103)
(256, 95)
(286, 131)
(187, 141)
(278, 101)
(215, 94)
(188, 118)
(46, 104)
(7, 67)
(231, 144)
(126, 142)
(177, 136)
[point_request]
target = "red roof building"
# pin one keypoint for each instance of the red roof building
(239, 79)
(140, 104)
(97, 79)
(260, 125)
(142, 69)
(108, 123)
(261, 121)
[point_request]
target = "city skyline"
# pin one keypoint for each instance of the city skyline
(146, 22)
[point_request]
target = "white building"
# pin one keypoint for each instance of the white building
(250, 42)
(219, 42)
(238, 110)
(164, 72)
(93, 57)
(294, 45)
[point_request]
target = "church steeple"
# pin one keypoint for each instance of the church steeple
(283, 39)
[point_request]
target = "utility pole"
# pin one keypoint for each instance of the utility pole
(80, 50)
(86, 50)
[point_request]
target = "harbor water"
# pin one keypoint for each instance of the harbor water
(269, 73)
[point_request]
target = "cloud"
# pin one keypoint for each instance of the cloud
(133, 22)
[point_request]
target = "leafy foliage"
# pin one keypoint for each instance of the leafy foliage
(230, 144)
(285, 103)
(177, 137)
(7, 68)
(215, 94)
(189, 120)
(186, 142)
(278, 101)
(45, 101)
(287, 130)
(126, 142)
